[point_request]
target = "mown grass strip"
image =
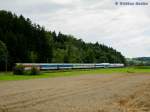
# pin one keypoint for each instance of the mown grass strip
(50, 74)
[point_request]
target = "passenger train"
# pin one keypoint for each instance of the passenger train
(60, 66)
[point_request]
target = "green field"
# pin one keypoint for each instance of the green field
(9, 75)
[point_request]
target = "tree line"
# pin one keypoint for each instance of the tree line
(25, 42)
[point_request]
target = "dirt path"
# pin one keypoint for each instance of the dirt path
(88, 93)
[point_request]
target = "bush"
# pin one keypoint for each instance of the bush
(19, 70)
(34, 71)
(142, 67)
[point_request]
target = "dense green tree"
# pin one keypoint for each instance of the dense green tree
(3, 55)
(3, 51)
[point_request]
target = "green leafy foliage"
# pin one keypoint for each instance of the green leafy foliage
(3, 55)
(19, 70)
(34, 71)
(3, 51)
(139, 61)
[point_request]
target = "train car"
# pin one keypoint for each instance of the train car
(86, 66)
(102, 65)
(28, 66)
(116, 65)
(65, 66)
(46, 66)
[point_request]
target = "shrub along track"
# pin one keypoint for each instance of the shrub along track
(87, 93)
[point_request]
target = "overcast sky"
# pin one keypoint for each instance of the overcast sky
(125, 28)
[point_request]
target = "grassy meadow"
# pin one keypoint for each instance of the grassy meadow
(50, 74)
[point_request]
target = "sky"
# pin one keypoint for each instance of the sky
(125, 28)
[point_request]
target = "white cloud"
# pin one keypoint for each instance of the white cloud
(125, 28)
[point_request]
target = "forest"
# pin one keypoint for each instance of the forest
(22, 41)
